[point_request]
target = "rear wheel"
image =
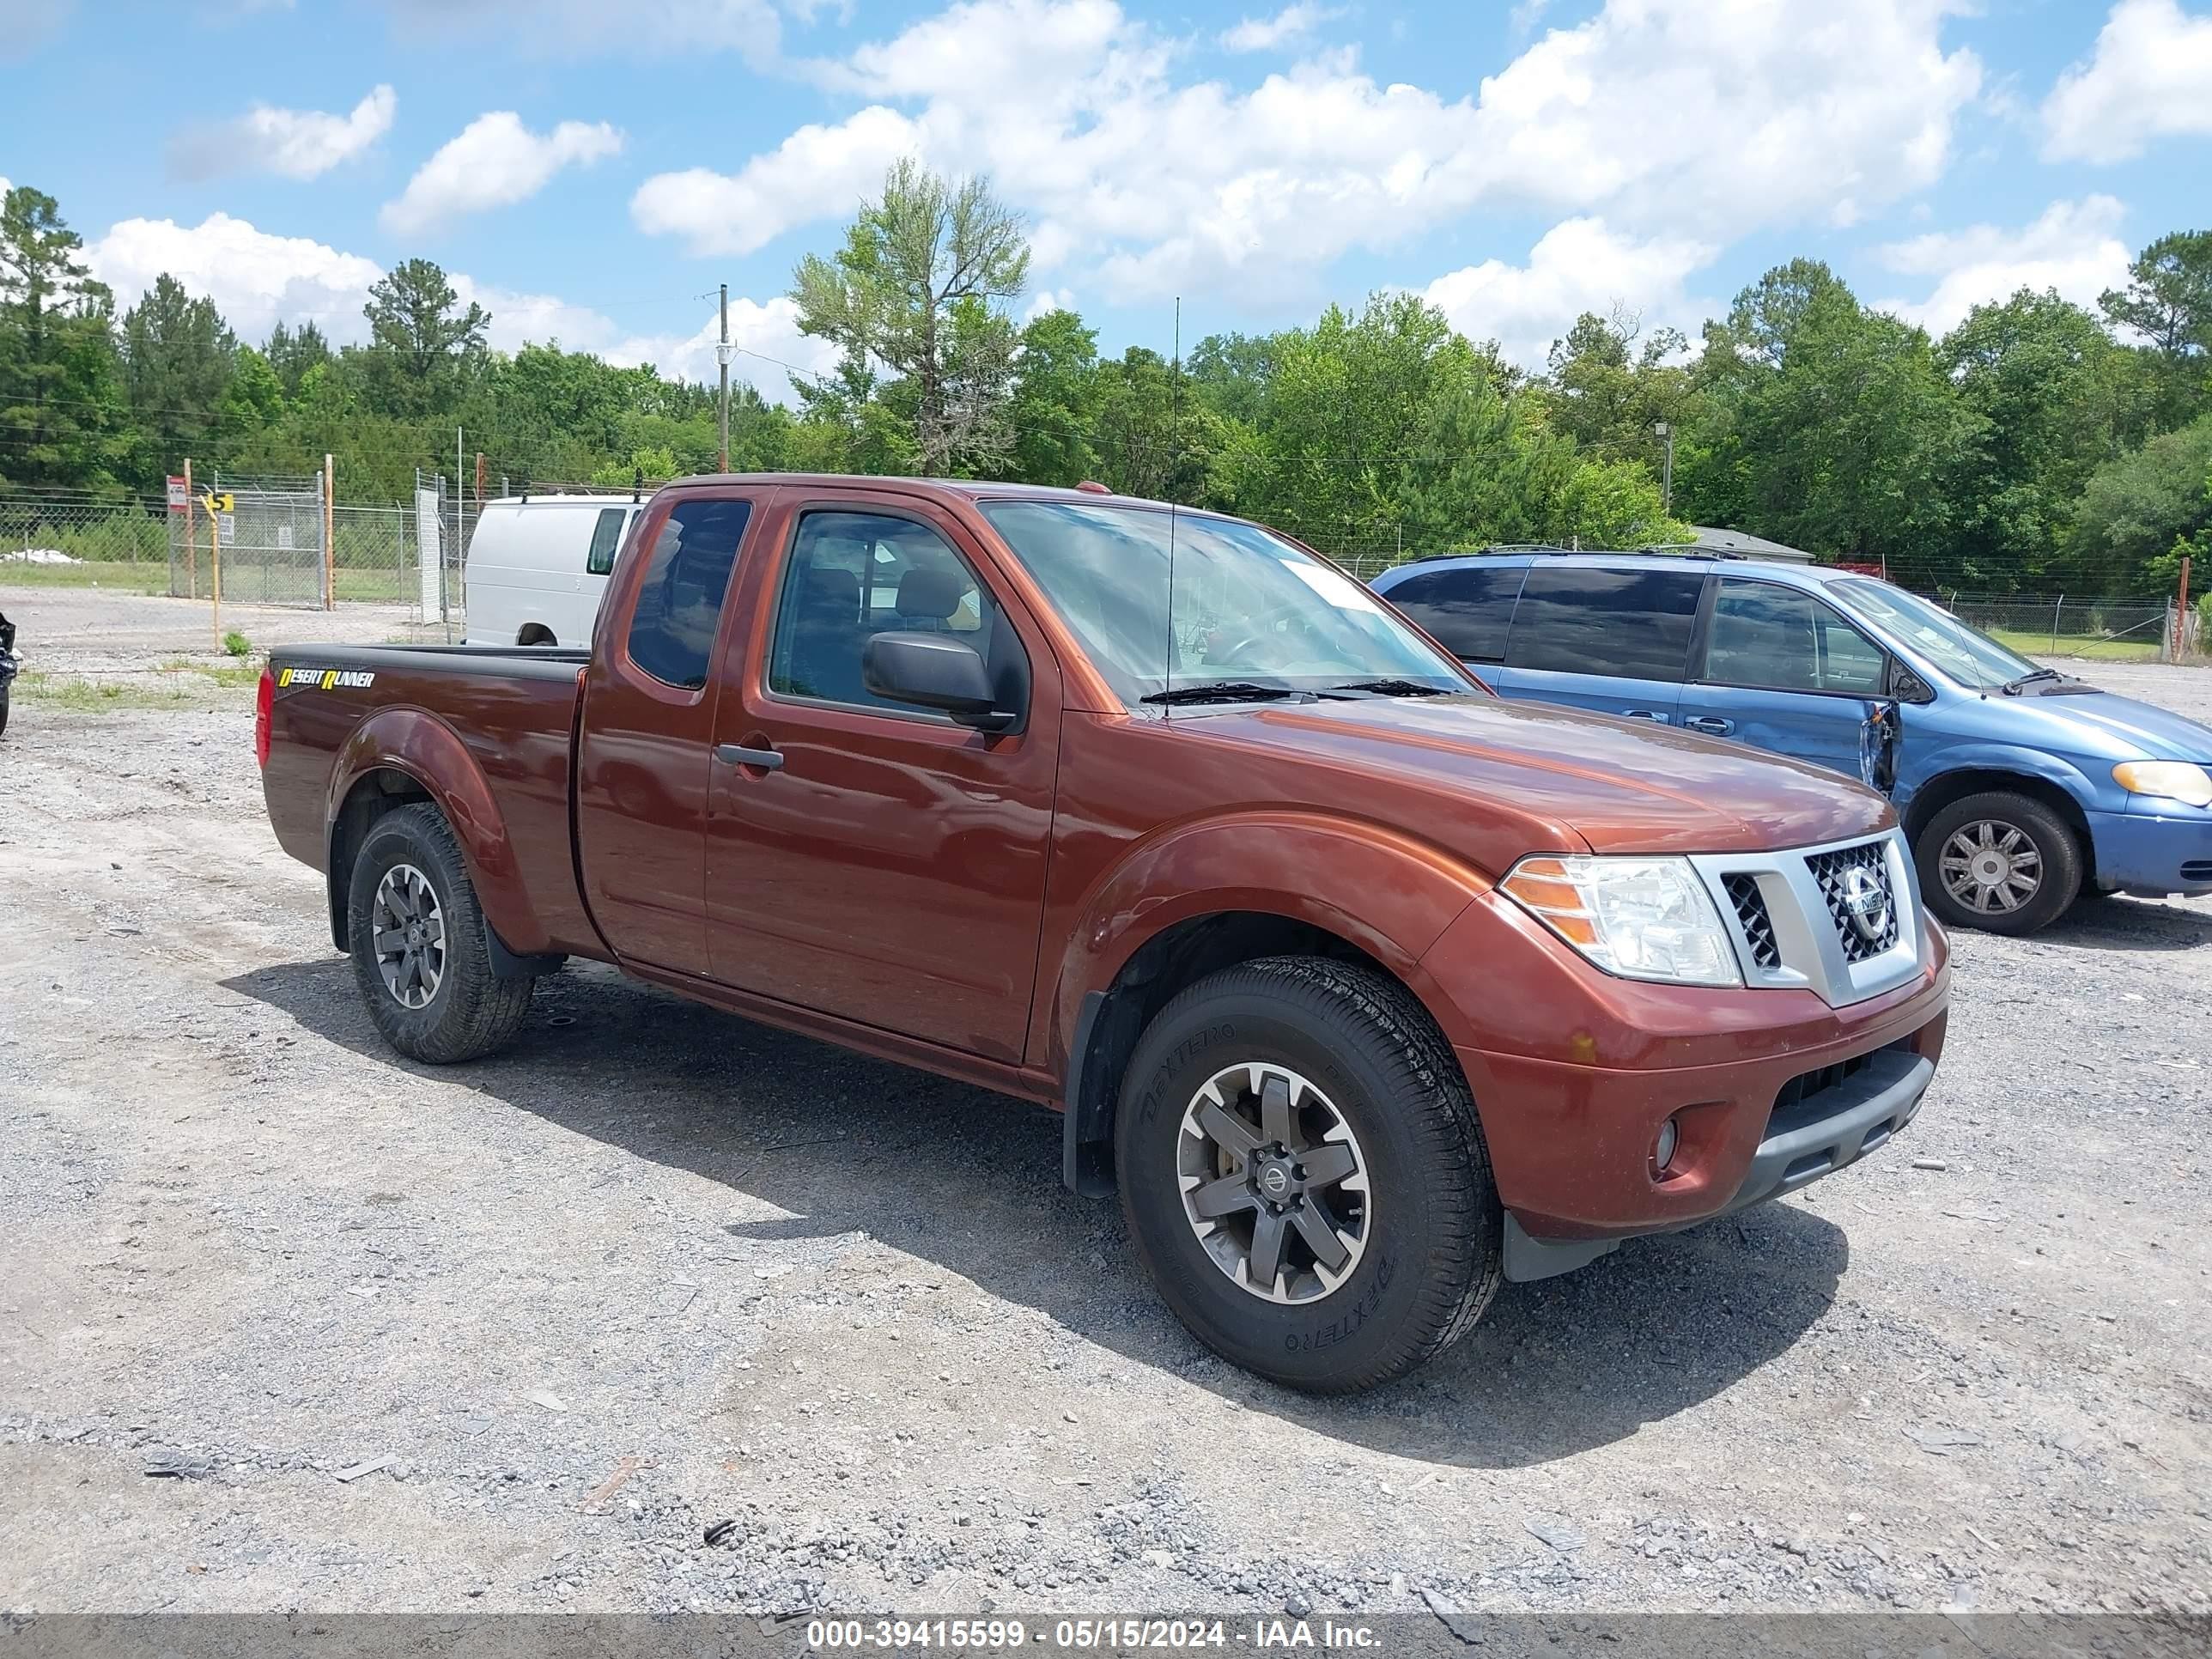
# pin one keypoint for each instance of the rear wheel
(1303, 1175)
(2002, 862)
(421, 952)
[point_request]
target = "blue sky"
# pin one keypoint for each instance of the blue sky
(590, 169)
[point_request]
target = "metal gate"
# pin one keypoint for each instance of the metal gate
(271, 544)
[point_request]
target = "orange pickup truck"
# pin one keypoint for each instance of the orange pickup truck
(1366, 988)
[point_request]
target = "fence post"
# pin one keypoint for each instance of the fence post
(330, 539)
(191, 532)
(2057, 606)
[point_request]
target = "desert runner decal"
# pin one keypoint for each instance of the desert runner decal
(327, 679)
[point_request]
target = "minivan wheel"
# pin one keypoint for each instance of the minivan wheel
(2002, 862)
(1303, 1175)
(420, 954)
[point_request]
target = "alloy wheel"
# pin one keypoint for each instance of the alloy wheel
(1990, 867)
(1274, 1183)
(410, 936)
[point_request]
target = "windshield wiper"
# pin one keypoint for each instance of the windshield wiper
(1223, 692)
(1389, 688)
(2012, 687)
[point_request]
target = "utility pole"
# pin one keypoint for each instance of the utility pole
(722, 358)
(2181, 614)
(1666, 430)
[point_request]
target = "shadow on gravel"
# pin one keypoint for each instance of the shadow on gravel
(971, 1180)
(2127, 924)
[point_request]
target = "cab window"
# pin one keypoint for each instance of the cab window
(1631, 624)
(854, 576)
(1467, 611)
(1780, 639)
(680, 599)
(606, 537)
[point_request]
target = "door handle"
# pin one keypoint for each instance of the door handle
(1644, 714)
(737, 755)
(1712, 725)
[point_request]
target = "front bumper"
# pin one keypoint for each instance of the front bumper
(2154, 849)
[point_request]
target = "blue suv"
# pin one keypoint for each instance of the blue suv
(2021, 788)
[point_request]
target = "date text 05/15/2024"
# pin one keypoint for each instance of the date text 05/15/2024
(972, 1634)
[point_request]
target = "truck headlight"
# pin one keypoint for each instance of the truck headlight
(1638, 918)
(2170, 779)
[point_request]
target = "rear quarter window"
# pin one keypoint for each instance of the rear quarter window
(606, 537)
(1467, 610)
(1634, 624)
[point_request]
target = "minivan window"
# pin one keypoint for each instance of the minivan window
(1634, 624)
(680, 599)
(1467, 610)
(1966, 655)
(1783, 638)
(606, 537)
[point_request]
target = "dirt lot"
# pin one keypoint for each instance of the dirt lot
(660, 1269)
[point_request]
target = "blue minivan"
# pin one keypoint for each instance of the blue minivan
(2021, 788)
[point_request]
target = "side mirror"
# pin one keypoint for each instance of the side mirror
(938, 672)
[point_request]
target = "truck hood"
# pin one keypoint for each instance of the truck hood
(1618, 785)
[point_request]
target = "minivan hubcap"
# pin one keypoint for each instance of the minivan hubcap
(410, 936)
(1274, 1184)
(1990, 867)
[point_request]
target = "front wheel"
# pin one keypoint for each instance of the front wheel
(2002, 862)
(420, 954)
(1303, 1175)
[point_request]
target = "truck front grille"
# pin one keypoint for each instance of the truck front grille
(1751, 913)
(1855, 882)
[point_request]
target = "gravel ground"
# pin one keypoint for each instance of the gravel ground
(285, 1322)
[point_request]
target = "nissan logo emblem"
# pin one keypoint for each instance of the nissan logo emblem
(1866, 902)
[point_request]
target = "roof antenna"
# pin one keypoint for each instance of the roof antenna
(1175, 459)
(637, 486)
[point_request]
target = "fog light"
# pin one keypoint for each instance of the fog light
(1662, 1150)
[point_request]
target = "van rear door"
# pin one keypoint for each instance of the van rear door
(1611, 639)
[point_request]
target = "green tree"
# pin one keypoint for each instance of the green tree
(425, 341)
(2168, 305)
(61, 398)
(293, 351)
(912, 289)
(2046, 383)
(1055, 396)
(2136, 509)
(1609, 387)
(178, 354)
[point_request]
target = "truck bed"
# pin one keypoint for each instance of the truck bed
(511, 709)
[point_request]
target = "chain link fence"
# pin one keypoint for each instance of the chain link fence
(2057, 626)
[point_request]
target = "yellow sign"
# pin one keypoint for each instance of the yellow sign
(215, 503)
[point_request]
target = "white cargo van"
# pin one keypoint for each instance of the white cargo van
(537, 564)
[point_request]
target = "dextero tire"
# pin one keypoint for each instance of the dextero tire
(420, 954)
(1303, 1175)
(2002, 862)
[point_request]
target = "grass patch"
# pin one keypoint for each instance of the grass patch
(2095, 648)
(116, 578)
(229, 675)
(176, 684)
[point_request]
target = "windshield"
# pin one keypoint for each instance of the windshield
(1965, 655)
(1250, 610)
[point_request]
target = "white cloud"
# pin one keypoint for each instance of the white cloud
(1673, 117)
(1291, 24)
(819, 172)
(2151, 77)
(258, 279)
(2072, 247)
(1578, 265)
(295, 143)
(495, 162)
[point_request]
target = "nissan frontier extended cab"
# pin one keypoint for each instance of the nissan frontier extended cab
(1365, 987)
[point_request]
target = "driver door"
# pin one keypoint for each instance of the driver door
(865, 857)
(1783, 672)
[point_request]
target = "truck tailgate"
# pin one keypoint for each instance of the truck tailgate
(488, 730)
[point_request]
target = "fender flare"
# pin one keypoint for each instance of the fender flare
(1380, 890)
(419, 745)
(2034, 764)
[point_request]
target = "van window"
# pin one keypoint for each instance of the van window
(1467, 610)
(606, 537)
(679, 601)
(853, 575)
(1634, 624)
(1779, 638)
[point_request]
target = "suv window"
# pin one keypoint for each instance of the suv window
(1580, 620)
(1781, 639)
(1467, 610)
(680, 599)
(606, 537)
(853, 575)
